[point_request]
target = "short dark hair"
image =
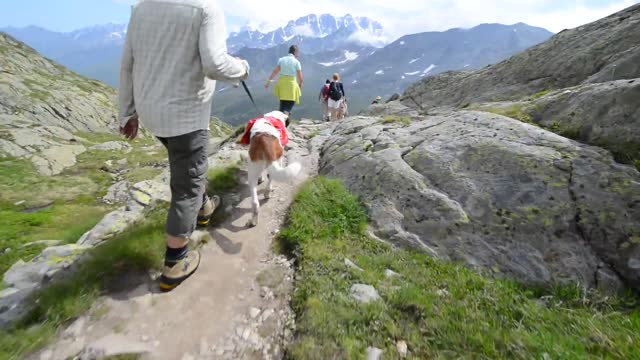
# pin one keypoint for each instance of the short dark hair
(293, 49)
(328, 81)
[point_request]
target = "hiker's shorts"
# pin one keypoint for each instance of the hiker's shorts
(188, 163)
(333, 104)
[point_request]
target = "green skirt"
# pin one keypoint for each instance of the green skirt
(287, 89)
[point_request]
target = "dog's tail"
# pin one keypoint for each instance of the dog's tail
(286, 174)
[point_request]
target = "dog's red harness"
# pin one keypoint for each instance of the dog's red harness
(276, 123)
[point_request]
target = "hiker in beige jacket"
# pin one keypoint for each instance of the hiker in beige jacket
(173, 53)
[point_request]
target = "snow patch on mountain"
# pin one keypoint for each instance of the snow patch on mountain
(348, 56)
(428, 70)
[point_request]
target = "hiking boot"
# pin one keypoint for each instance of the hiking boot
(208, 208)
(175, 275)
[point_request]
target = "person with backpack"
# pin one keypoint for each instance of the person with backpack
(336, 97)
(323, 97)
(289, 85)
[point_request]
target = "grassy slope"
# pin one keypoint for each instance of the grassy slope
(57, 305)
(71, 210)
(71, 198)
(138, 249)
(441, 310)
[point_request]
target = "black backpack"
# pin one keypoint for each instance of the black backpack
(334, 92)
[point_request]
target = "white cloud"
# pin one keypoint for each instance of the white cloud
(366, 38)
(411, 16)
(303, 30)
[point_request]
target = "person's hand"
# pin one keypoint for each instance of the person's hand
(130, 130)
(246, 65)
(266, 86)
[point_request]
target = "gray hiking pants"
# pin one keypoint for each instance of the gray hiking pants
(188, 163)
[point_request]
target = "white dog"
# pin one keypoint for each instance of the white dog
(267, 137)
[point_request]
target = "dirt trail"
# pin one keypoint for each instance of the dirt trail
(234, 306)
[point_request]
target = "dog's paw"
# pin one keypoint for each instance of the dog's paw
(253, 222)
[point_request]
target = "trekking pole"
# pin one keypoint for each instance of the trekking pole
(246, 88)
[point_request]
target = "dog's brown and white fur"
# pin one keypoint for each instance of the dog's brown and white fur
(265, 153)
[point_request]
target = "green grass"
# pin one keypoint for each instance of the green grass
(66, 222)
(69, 209)
(402, 120)
(312, 134)
(139, 249)
(223, 179)
(626, 152)
(572, 133)
(139, 161)
(39, 95)
(235, 135)
(70, 199)
(88, 86)
(100, 137)
(138, 174)
(239, 130)
(441, 310)
(220, 129)
(124, 357)
(541, 94)
(514, 111)
(19, 181)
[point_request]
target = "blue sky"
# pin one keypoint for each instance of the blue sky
(399, 18)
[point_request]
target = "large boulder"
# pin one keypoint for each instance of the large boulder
(604, 114)
(496, 194)
(139, 197)
(24, 278)
(112, 146)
